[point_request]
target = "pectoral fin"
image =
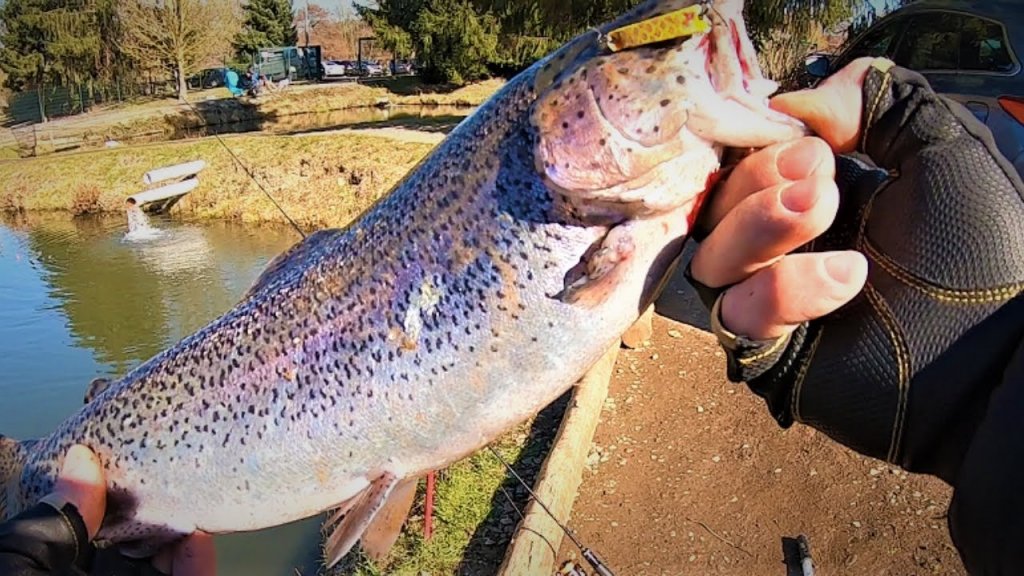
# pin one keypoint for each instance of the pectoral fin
(385, 528)
(347, 527)
(602, 270)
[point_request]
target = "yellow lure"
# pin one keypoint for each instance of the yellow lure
(675, 24)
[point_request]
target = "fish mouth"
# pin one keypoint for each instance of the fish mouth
(732, 65)
(616, 120)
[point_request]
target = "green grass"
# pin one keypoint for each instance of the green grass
(473, 519)
(462, 504)
(321, 180)
(164, 120)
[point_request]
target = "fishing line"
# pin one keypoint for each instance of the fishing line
(250, 174)
(522, 517)
(589, 555)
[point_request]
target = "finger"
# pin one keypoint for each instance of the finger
(81, 482)
(196, 556)
(797, 289)
(833, 110)
(777, 164)
(764, 227)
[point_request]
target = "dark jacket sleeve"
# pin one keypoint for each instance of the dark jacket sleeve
(44, 540)
(986, 517)
(51, 539)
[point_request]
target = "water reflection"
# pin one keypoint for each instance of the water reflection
(79, 300)
(441, 118)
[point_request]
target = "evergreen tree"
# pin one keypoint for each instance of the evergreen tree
(266, 23)
(23, 43)
(392, 23)
(453, 41)
(49, 42)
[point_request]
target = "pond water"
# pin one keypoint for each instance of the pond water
(79, 300)
(441, 118)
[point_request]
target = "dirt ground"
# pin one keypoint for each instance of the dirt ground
(690, 475)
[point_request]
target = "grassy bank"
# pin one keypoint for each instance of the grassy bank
(320, 180)
(158, 121)
(475, 514)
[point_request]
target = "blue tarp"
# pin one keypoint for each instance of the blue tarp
(231, 81)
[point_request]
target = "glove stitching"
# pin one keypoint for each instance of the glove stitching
(71, 530)
(794, 404)
(987, 296)
(775, 347)
(902, 365)
(870, 119)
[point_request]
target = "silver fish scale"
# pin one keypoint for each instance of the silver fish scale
(367, 347)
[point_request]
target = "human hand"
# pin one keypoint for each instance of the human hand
(36, 542)
(775, 201)
(859, 280)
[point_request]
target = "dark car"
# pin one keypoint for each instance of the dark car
(968, 50)
(208, 78)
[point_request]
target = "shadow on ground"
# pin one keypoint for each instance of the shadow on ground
(409, 85)
(679, 301)
(489, 543)
(224, 116)
(441, 124)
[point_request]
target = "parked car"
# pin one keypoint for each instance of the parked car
(399, 67)
(334, 69)
(373, 68)
(968, 50)
(207, 78)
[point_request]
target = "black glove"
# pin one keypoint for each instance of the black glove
(50, 539)
(918, 369)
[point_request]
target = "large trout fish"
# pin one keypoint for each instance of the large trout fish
(477, 292)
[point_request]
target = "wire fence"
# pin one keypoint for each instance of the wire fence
(36, 105)
(25, 132)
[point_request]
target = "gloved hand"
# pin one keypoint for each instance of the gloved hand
(54, 537)
(884, 307)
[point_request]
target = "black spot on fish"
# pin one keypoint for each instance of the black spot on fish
(650, 69)
(665, 102)
(580, 114)
(680, 80)
(624, 71)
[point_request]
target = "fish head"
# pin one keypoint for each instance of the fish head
(653, 97)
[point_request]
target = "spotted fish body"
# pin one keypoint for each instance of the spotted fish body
(477, 292)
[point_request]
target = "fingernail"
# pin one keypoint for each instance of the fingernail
(78, 464)
(841, 268)
(800, 196)
(799, 159)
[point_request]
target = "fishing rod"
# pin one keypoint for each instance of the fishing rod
(250, 174)
(601, 569)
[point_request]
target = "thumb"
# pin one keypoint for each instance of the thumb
(81, 482)
(833, 110)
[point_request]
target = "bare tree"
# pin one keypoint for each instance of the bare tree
(177, 34)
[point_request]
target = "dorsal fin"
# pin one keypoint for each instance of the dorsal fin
(96, 387)
(291, 258)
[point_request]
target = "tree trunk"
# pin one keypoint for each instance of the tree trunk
(182, 84)
(41, 98)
